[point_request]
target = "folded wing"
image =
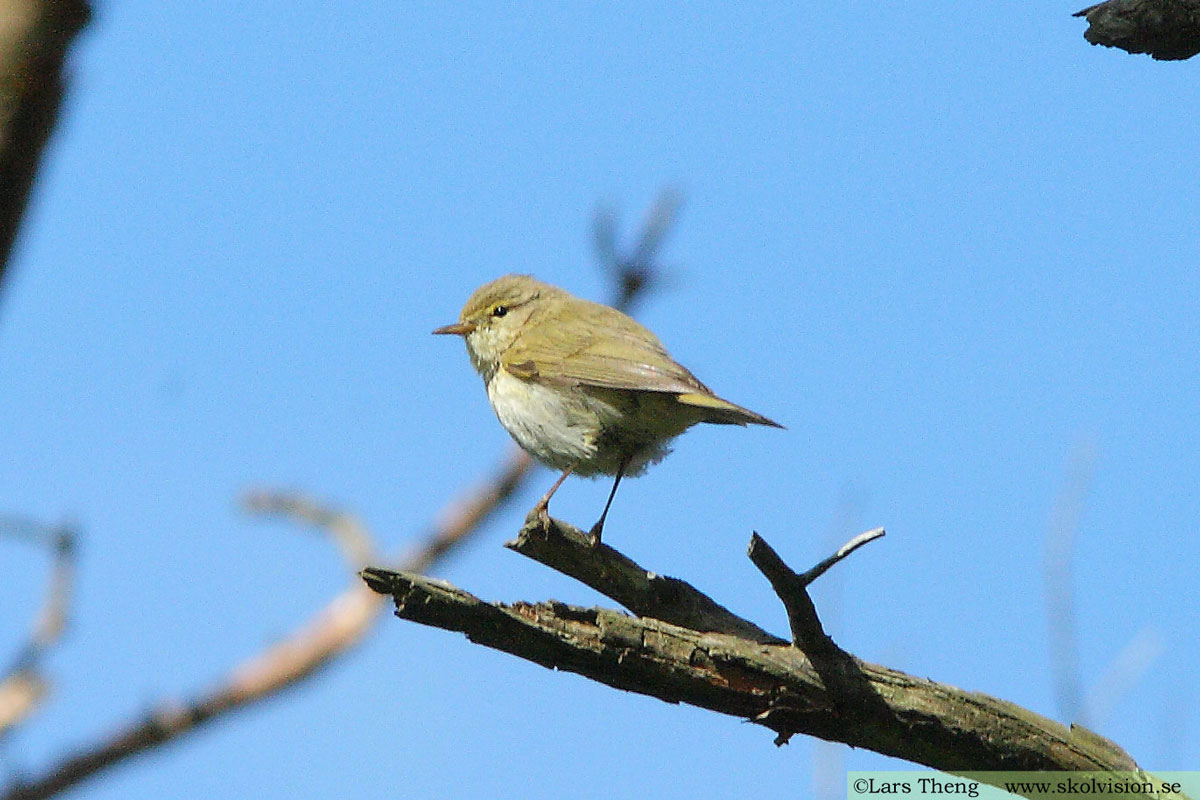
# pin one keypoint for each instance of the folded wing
(612, 351)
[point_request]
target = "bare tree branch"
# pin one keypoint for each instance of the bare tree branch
(34, 38)
(1123, 672)
(1061, 535)
(565, 548)
(829, 758)
(792, 588)
(1168, 30)
(23, 686)
(336, 628)
(347, 531)
(21, 692)
(638, 268)
(462, 518)
(770, 682)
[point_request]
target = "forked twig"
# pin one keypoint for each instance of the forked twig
(792, 587)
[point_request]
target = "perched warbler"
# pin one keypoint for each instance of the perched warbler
(580, 386)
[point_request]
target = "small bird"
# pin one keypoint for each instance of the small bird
(582, 387)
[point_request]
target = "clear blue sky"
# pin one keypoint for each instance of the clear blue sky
(947, 245)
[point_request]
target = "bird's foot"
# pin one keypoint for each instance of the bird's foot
(539, 515)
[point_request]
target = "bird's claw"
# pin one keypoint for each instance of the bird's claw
(540, 516)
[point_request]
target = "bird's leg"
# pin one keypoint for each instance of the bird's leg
(540, 510)
(598, 528)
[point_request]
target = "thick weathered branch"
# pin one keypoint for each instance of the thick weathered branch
(769, 682)
(34, 37)
(563, 547)
(839, 671)
(1169, 30)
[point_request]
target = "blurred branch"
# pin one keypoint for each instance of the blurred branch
(347, 531)
(34, 38)
(331, 631)
(723, 665)
(637, 269)
(1133, 660)
(21, 692)
(1060, 593)
(460, 519)
(1125, 670)
(340, 625)
(23, 685)
(1168, 30)
(344, 622)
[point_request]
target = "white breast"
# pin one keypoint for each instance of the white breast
(556, 427)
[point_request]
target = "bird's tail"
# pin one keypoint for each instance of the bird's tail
(723, 412)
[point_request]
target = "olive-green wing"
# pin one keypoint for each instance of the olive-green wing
(597, 346)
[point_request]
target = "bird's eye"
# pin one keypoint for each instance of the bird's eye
(499, 311)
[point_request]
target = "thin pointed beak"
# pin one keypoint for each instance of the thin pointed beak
(457, 329)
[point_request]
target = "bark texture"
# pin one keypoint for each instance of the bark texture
(1168, 30)
(686, 648)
